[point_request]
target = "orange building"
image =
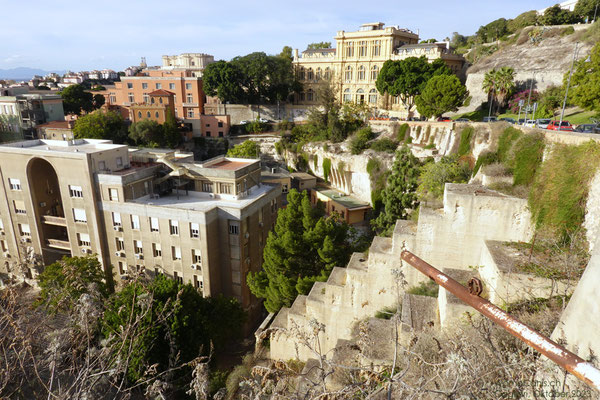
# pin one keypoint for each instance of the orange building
(160, 103)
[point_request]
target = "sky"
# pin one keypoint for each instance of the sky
(85, 35)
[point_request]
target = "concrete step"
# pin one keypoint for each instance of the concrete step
(419, 313)
(299, 306)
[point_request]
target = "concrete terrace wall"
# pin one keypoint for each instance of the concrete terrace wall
(249, 112)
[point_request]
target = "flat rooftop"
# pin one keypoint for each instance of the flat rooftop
(345, 200)
(86, 146)
(303, 176)
(229, 165)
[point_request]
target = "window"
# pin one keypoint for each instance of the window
(144, 85)
(373, 96)
(220, 134)
(122, 268)
(301, 74)
(376, 49)
(194, 230)
(119, 161)
(137, 247)
(207, 133)
(15, 184)
(112, 99)
(172, 86)
(361, 73)
(362, 48)
(4, 246)
(139, 114)
(129, 85)
(156, 250)
(198, 284)
(120, 244)
(176, 252)
(310, 75)
(196, 256)
(84, 239)
(319, 73)
(113, 194)
(177, 277)
(207, 187)
(156, 115)
(347, 96)
(349, 49)
(284, 188)
(348, 74)
(374, 72)
(188, 86)
(310, 95)
(189, 98)
(360, 97)
(220, 124)
(158, 86)
(24, 230)
(102, 165)
(116, 217)
(75, 191)
(130, 97)
(226, 188)
(190, 114)
(1, 225)
(146, 98)
(135, 222)
(148, 114)
(234, 228)
(154, 224)
(174, 227)
(19, 206)
(327, 73)
(79, 215)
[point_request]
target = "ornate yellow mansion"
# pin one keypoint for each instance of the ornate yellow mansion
(354, 64)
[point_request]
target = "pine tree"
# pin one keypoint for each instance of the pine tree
(399, 196)
(303, 249)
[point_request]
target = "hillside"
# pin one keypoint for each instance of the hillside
(543, 52)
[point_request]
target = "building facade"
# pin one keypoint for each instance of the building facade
(353, 65)
(195, 62)
(22, 113)
(144, 211)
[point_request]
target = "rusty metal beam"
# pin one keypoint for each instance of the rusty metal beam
(577, 366)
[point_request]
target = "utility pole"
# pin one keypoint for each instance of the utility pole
(595, 10)
(562, 113)
(529, 98)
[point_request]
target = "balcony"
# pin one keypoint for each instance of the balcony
(190, 104)
(59, 244)
(52, 220)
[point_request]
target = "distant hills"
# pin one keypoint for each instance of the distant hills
(24, 73)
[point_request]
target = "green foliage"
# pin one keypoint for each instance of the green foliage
(526, 157)
(499, 84)
(316, 162)
(586, 81)
(555, 15)
(441, 94)
(466, 135)
(528, 18)
(146, 133)
(256, 126)
(435, 175)
(586, 9)
(428, 288)
(360, 141)
(247, 149)
(326, 168)
(285, 125)
(63, 282)
(100, 125)
(76, 100)
(487, 158)
(558, 196)
(407, 78)
(493, 31)
(303, 248)
(279, 148)
(505, 142)
(171, 134)
(399, 196)
(384, 144)
(373, 166)
(191, 321)
(320, 45)
(480, 52)
(402, 130)
(386, 312)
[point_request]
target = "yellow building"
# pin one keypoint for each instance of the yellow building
(354, 64)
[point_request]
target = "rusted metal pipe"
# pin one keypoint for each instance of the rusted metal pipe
(576, 365)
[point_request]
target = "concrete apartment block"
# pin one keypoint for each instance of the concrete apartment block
(145, 210)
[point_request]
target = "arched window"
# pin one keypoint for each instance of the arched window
(327, 73)
(374, 72)
(360, 96)
(347, 96)
(373, 96)
(319, 74)
(139, 114)
(309, 95)
(361, 73)
(310, 75)
(148, 114)
(157, 114)
(301, 74)
(348, 74)
(160, 100)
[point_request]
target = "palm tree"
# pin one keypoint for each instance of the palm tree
(489, 85)
(505, 84)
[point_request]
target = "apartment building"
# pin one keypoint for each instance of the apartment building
(22, 113)
(147, 211)
(354, 64)
(195, 62)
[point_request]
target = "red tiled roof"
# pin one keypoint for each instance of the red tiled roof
(55, 124)
(161, 92)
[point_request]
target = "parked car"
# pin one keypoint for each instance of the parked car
(244, 122)
(565, 126)
(588, 128)
(509, 120)
(444, 119)
(263, 120)
(394, 119)
(490, 119)
(530, 123)
(542, 123)
(462, 120)
(521, 121)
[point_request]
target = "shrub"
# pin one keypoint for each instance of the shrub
(496, 169)
(256, 127)
(386, 312)
(486, 158)
(385, 144)
(285, 125)
(360, 141)
(527, 154)
(428, 288)
(402, 130)
(569, 30)
(464, 147)
(435, 175)
(326, 168)
(505, 141)
(316, 161)
(279, 148)
(373, 166)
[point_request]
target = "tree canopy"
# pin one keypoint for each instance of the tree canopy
(319, 45)
(399, 196)
(442, 93)
(555, 15)
(407, 78)
(76, 100)
(255, 78)
(493, 31)
(247, 149)
(499, 84)
(303, 249)
(101, 125)
(586, 9)
(146, 133)
(585, 82)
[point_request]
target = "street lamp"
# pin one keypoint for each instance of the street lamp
(562, 113)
